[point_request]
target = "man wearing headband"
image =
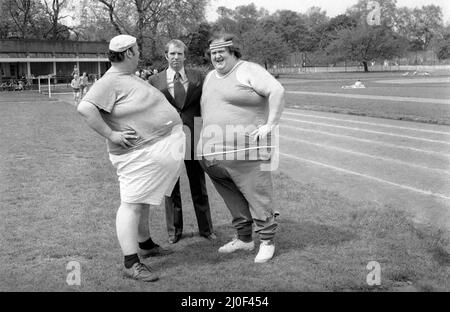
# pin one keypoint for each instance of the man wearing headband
(241, 105)
(183, 89)
(145, 142)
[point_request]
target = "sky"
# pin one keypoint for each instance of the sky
(332, 7)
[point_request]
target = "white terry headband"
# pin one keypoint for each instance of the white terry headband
(219, 45)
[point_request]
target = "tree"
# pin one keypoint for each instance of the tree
(264, 48)
(364, 44)
(225, 22)
(427, 23)
(23, 19)
(292, 29)
(198, 44)
(315, 17)
(6, 22)
(441, 45)
(92, 21)
(382, 11)
(315, 20)
(20, 13)
(329, 31)
(53, 10)
(247, 17)
(153, 21)
(242, 19)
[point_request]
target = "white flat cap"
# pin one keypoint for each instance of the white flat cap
(121, 43)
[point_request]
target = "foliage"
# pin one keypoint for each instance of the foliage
(154, 22)
(420, 26)
(32, 19)
(361, 11)
(242, 19)
(198, 44)
(291, 27)
(366, 43)
(442, 46)
(53, 10)
(265, 48)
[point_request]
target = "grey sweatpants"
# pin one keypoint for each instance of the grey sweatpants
(248, 194)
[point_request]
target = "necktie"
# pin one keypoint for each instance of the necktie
(178, 90)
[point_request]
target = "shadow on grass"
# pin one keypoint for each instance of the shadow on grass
(291, 236)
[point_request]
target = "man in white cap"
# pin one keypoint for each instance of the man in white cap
(146, 145)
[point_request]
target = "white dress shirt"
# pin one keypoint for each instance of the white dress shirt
(171, 74)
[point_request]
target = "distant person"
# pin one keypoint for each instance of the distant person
(357, 85)
(145, 142)
(241, 105)
(84, 83)
(76, 86)
(183, 89)
(76, 71)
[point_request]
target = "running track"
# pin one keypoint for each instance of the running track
(398, 164)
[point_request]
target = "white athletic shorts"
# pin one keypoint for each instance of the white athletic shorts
(148, 174)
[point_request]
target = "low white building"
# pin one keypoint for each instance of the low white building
(28, 58)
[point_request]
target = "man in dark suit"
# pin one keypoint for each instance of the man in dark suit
(183, 89)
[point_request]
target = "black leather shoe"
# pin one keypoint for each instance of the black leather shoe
(174, 239)
(212, 237)
(141, 272)
(156, 251)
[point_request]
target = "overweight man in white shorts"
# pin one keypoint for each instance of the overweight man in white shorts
(145, 143)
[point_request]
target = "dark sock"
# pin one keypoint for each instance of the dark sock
(130, 260)
(148, 244)
(245, 238)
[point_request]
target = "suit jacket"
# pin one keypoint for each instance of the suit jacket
(191, 107)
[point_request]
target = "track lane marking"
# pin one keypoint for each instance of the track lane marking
(368, 141)
(406, 187)
(368, 131)
(375, 97)
(365, 155)
(368, 123)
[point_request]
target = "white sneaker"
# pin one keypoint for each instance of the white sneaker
(266, 251)
(237, 244)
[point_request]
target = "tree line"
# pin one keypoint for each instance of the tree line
(369, 30)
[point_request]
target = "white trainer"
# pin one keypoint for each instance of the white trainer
(237, 244)
(266, 251)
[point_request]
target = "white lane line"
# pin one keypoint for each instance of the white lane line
(404, 163)
(368, 131)
(406, 187)
(376, 97)
(367, 123)
(368, 141)
(34, 102)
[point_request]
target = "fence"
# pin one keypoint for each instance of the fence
(47, 84)
(378, 68)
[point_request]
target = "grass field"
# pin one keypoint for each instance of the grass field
(60, 194)
(377, 84)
